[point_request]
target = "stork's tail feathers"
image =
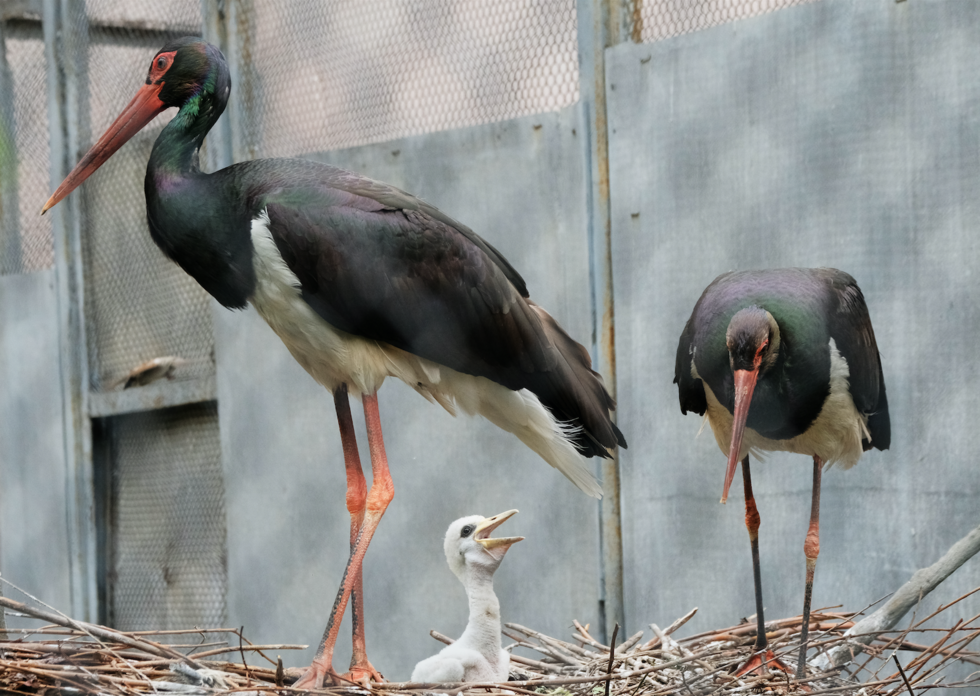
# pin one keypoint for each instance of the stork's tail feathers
(522, 413)
(575, 393)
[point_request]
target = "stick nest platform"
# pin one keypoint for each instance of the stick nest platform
(73, 657)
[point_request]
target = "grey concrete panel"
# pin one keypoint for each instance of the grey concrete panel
(832, 134)
(521, 185)
(33, 527)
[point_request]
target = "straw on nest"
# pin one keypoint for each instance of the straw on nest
(76, 657)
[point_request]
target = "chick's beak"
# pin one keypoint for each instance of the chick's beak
(497, 546)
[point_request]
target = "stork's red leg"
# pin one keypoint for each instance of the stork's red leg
(752, 523)
(763, 656)
(811, 548)
(373, 507)
(360, 668)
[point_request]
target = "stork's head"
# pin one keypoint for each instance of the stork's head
(469, 544)
(753, 346)
(187, 73)
(753, 340)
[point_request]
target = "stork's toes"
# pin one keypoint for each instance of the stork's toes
(316, 675)
(364, 674)
(761, 662)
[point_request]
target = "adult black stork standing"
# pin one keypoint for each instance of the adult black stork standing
(784, 360)
(361, 281)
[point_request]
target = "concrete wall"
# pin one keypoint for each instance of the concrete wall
(33, 532)
(831, 134)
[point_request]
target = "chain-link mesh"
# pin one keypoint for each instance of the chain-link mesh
(653, 20)
(26, 242)
(319, 76)
(139, 305)
(167, 566)
(172, 16)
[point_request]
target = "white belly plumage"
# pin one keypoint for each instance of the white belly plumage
(835, 436)
(333, 357)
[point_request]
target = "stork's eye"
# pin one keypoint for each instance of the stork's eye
(466, 531)
(161, 63)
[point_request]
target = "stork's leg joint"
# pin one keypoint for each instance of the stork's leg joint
(752, 519)
(380, 496)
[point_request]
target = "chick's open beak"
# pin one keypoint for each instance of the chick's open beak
(485, 528)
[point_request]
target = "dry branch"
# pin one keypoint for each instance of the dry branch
(922, 582)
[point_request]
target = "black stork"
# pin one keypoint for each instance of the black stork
(784, 360)
(361, 281)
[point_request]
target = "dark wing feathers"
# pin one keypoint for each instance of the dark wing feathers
(378, 263)
(396, 199)
(689, 390)
(850, 325)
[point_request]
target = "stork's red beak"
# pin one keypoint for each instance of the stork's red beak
(140, 111)
(744, 386)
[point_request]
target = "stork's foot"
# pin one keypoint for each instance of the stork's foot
(320, 672)
(364, 674)
(761, 663)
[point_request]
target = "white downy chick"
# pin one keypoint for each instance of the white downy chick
(473, 556)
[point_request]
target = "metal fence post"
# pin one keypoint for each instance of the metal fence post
(600, 25)
(66, 57)
(216, 16)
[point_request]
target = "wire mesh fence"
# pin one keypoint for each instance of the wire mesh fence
(166, 520)
(318, 76)
(653, 20)
(25, 237)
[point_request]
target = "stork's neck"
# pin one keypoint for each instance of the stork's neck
(175, 152)
(483, 629)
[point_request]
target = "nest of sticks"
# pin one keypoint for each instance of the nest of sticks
(69, 656)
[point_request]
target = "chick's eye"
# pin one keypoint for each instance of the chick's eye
(466, 531)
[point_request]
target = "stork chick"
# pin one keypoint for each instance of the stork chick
(473, 556)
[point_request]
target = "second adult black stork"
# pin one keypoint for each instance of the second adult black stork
(784, 360)
(361, 281)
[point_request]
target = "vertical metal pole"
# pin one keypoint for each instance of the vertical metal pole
(215, 29)
(239, 16)
(66, 57)
(600, 26)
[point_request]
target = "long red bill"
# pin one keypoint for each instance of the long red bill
(140, 111)
(744, 386)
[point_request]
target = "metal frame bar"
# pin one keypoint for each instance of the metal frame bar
(66, 59)
(155, 396)
(601, 24)
(218, 29)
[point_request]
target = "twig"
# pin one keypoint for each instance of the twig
(629, 643)
(902, 672)
(680, 622)
(241, 652)
(98, 631)
(566, 652)
(612, 654)
(588, 639)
